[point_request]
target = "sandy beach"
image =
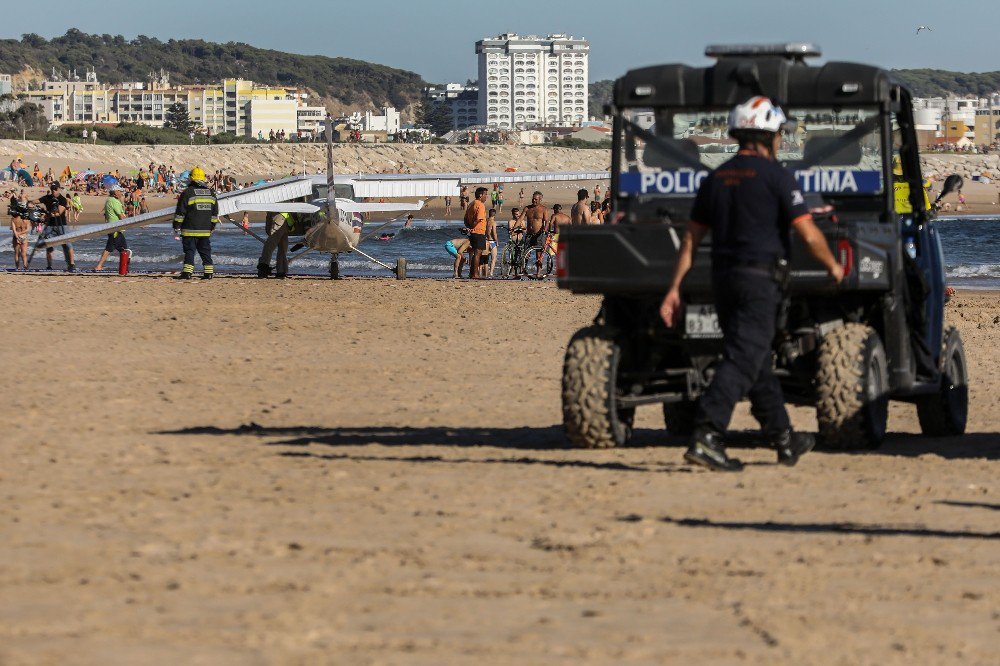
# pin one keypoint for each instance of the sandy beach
(373, 472)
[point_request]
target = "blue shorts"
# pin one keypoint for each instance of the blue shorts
(452, 250)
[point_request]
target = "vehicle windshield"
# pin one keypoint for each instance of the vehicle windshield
(667, 152)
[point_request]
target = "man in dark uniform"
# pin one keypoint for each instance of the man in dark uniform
(750, 204)
(196, 216)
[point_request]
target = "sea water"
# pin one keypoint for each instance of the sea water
(971, 255)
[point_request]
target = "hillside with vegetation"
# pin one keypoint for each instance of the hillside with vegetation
(923, 83)
(116, 59)
(942, 83)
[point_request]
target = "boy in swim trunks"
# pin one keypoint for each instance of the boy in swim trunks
(457, 247)
(490, 256)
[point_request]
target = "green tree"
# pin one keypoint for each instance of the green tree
(26, 120)
(178, 118)
(435, 116)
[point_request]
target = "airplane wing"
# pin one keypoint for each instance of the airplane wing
(407, 185)
(284, 207)
(349, 206)
(229, 202)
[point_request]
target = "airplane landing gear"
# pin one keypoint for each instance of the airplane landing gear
(334, 268)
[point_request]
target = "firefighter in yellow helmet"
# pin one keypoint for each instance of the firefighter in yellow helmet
(195, 219)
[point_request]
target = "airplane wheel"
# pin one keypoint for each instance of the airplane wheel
(400, 268)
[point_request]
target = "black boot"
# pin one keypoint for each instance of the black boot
(183, 276)
(707, 450)
(791, 445)
(263, 270)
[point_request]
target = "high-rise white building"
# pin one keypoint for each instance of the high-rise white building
(532, 80)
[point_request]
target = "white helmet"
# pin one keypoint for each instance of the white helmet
(757, 114)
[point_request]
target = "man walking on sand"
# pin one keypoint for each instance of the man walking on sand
(475, 221)
(114, 210)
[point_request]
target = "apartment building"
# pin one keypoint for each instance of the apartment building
(461, 99)
(532, 80)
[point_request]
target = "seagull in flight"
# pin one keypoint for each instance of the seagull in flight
(923, 27)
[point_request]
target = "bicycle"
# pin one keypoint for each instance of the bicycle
(512, 258)
(541, 258)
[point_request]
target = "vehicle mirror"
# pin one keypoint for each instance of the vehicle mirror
(951, 183)
(790, 126)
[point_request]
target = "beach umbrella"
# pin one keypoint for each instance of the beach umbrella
(109, 181)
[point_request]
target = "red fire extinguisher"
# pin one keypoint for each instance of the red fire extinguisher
(123, 259)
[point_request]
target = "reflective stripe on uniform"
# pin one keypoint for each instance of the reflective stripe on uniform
(198, 200)
(209, 268)
(196, 233)
(188, 268)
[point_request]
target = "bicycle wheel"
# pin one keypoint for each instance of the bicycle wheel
(535, 264)
(508, 260)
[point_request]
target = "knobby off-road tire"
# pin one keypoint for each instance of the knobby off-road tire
(945, 413)
(679, 417)
(591, 417)
(852, 404)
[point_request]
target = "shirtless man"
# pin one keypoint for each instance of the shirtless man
(537, 221)
(580, 214)
(19, 227)
(559, 218)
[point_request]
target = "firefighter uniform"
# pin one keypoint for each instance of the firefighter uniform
(196, 217)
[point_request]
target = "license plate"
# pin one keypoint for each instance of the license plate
(701, 321)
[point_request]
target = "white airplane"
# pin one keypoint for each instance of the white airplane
(339, 224)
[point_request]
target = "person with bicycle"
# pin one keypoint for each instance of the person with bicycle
(537, 223)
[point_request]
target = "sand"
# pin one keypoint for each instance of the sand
(369, 471)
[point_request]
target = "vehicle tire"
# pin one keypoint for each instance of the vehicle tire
(945, 413)
(852, 405)
(591, 418)
(679, 417)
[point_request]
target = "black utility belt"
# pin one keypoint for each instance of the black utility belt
(776, 269)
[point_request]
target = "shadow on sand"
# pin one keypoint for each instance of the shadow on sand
(551, 438)
(819, 528)
(547, 438)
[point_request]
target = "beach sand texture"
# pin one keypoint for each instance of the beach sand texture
(371, 471)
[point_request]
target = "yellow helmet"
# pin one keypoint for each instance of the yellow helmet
(198, 174)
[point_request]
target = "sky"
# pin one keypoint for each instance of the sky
(436, 38)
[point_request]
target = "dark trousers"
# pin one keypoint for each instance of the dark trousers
(203, 246)
(747, 301)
